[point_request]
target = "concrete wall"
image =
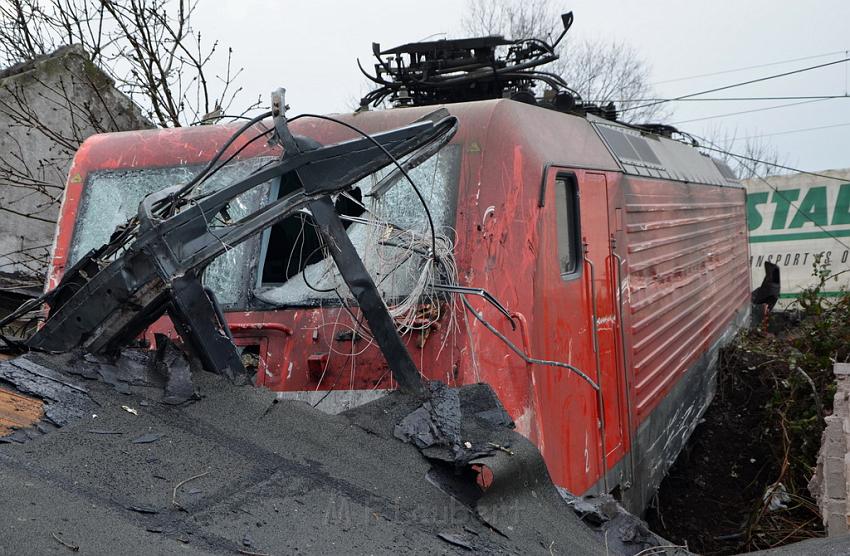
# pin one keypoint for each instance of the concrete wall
(831, 482)
(47, 108)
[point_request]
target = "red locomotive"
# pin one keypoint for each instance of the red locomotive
(589, 271)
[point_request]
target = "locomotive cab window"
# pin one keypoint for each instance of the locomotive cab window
(386, 224)
(566, 208)
(293, 244)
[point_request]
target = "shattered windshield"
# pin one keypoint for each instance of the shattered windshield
(287, 264)
(387, 225)
(111, 197)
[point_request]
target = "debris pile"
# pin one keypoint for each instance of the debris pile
(128, 469)
(621, 531)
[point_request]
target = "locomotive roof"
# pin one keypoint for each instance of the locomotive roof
(550, 136)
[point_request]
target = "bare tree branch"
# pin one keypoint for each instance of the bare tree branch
(147, 49)
(757, 148)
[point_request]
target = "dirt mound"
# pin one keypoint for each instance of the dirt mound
(741, 483)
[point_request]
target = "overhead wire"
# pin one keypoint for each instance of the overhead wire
(397, 164)
(756, 66)
(790, 131)
(714, 117)
(234, 155)
(171, 202)
(352, 355)
(721, 99)
(740, 84)
(407, 312)
(220, 152)
(408, 306)
(211, 169)
(765, 162)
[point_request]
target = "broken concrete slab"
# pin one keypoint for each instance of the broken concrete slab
(832, 546)
(295, 478)
(622, 532)
(289, 479)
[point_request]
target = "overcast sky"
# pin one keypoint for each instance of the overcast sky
(311, 49)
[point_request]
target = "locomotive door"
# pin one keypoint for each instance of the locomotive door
(576, 322)
(600, 281)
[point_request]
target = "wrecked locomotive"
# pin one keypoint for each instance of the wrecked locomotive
(588, 270)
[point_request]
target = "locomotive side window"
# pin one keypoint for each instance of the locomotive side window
(566, 203)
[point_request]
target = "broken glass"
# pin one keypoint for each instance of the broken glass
(390, 233)
(111, 197)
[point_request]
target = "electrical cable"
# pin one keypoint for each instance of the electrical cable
(766, 163)
(714, 117)
(398, 165)
(302, 238)
(304, 275)
(798, 130)
(719, 99)
(780, 62)
(201, 176)
(359, 322)
(525, 357)
(742, 83)
(250, 123)
(232, 156)
(22, 309)
(797, 208)
(364, 327)
(310, 286)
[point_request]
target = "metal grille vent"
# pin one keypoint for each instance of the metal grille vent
(629, 148)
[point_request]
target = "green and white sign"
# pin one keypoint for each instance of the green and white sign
(794, 218)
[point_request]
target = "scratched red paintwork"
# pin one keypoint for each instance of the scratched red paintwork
(678, 295)
(685, 256)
